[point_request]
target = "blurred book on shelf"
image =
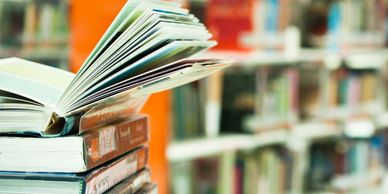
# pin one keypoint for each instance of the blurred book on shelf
(277, 101)
(267, 171)
(188, 111)
(228, 20)
(250, 24)
(309, 92)
(238, 99)
(202, 175)
(197, 108)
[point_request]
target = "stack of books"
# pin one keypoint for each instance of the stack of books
(83, 133)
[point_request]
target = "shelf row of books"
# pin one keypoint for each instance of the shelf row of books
(267, 24)
(258, 99)
(327, 166)
(348, 166)
(33, 29)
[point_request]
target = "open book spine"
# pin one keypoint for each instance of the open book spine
(112, 141)
(106, 112)
(104, 178)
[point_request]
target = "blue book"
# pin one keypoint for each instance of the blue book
(272, 16)
(334, 24)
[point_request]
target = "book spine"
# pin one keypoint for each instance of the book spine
(148, 188)
(106, 177)
(112, 141)
(131, 184)
(108, 113)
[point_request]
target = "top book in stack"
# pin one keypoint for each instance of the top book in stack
(145, 50)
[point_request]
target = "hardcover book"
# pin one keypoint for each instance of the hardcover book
(98, 180)
(145, 50)
(77, 153)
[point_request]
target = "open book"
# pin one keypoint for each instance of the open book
(145, 50)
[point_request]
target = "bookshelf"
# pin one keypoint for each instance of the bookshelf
(198, 148)
(355, 50)
(298, 138)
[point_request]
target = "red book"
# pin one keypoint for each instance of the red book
(228, 20)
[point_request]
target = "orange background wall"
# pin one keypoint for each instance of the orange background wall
(88, 22)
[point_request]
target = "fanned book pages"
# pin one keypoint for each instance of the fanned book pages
(147, 49)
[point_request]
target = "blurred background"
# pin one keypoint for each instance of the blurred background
(302, 111)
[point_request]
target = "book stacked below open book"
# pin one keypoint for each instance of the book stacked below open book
(92, 162)
(83, 133)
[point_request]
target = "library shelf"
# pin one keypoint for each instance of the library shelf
(360, 181)
(253, 58)
(356, 183)
(381, 121)
(42, 53)
(191, 149)
(186, 150)
(355, 58)
(316, 130)
(367, 60)
(47, 54)
(361, 191)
